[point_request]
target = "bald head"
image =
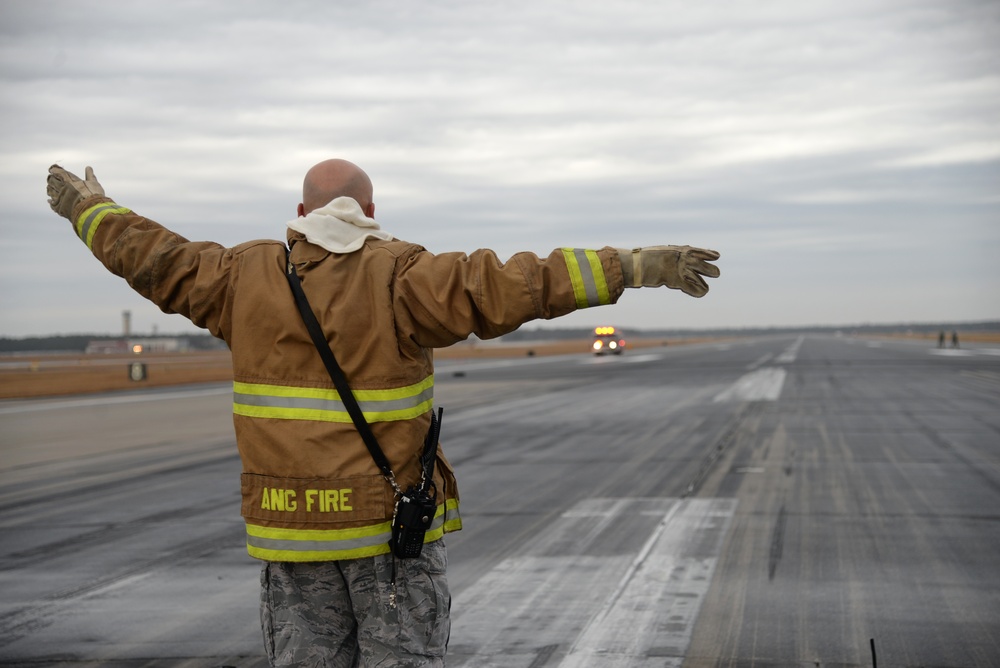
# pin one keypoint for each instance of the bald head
(336, 178)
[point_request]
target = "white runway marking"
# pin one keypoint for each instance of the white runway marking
(760, 361)
(951, 352)
(107, 400)
(790, 353)
(621, 359)
(648, 357)
(569, 599)
(760, 385)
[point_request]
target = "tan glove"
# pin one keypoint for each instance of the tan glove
(65, 190)
(678, 267)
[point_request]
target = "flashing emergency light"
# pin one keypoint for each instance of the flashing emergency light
(604, 331)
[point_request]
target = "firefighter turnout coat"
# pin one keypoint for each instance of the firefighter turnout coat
(311, 491)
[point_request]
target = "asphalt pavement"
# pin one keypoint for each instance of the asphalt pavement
(772, 501)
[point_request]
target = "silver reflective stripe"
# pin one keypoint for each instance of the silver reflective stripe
(89, 220)
(87, 224)
(587, 274)
(317, 545)
(330, 545)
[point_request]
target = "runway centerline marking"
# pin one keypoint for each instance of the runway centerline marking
(789, 354)
(760, 361)
(760, 385)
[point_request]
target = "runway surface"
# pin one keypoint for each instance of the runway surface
(773, 501)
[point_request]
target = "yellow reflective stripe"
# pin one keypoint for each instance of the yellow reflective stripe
(452, 521)
(575, 278)
(90, 219)
(586, 274)
(285, 402)
(324, 393)
(280, 544)
(277, 544)
(600, 282)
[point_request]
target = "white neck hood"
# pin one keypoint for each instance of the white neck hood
(339, 227)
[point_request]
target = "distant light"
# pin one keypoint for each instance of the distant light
(613, 345)
(604, 331)
(598, 344)
(137, 348)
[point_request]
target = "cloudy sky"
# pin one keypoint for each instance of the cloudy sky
(843, 155)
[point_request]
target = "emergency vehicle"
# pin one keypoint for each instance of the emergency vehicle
(608, 341)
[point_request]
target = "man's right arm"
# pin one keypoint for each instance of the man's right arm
(179, 276)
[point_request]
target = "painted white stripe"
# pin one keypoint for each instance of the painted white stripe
(951, 352)
(790, 353)
(648, 357)
(625, 358)
(579, 598)
(667, 583)
(35, 405)
(760, 385)
(760, 361)
(449, 367)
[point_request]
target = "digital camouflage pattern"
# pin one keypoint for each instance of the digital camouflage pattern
(338, 614)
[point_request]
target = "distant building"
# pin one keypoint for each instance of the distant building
(166, 344)
(106, 347)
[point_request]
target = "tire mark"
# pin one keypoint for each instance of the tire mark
(44, 494)
(777, 543)
(19, 623)
(722, 443)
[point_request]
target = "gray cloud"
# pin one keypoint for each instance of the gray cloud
(828, 149)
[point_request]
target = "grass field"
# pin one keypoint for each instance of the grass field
(28, 376)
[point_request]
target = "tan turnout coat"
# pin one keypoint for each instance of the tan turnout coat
(311, 491)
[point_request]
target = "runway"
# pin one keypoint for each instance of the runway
(772, 501)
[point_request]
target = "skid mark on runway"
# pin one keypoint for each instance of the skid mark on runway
(759, 385)
(580, 598)
(777, 544)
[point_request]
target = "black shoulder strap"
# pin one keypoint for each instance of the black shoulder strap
(347, 396)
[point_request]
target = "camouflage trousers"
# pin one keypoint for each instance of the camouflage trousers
(339, 613)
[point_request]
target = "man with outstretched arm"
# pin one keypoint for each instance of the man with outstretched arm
(318, 510)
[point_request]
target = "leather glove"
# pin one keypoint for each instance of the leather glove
(65, 190)
(678, 267)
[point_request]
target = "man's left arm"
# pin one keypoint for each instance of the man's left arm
(447, 297)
